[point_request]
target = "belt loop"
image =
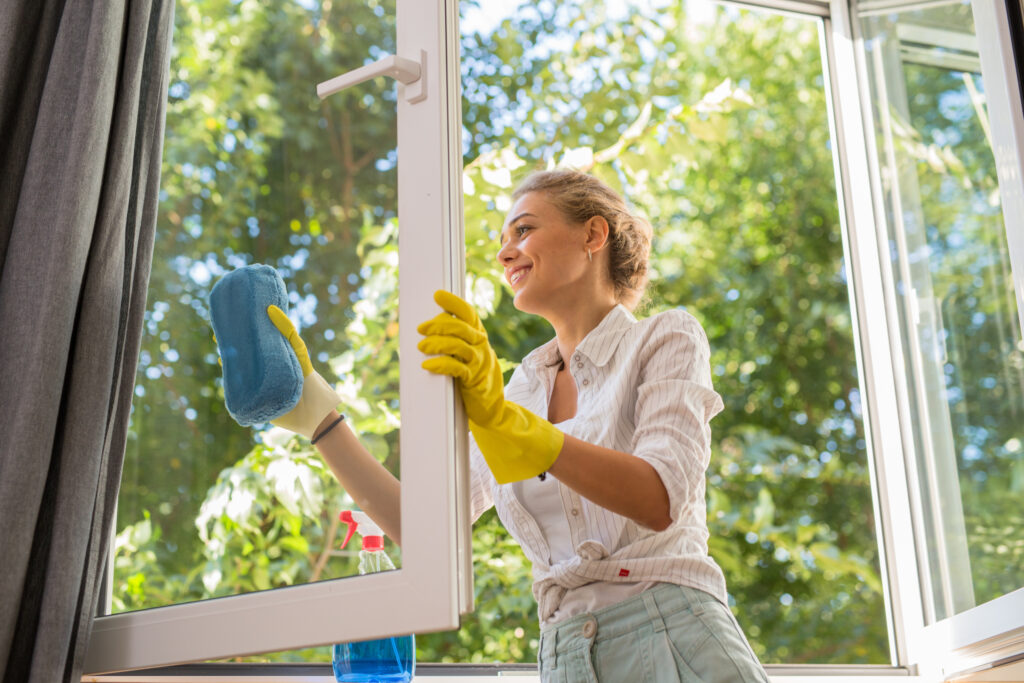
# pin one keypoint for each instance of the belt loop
(541, 653)
(549, 649)
(652, 611)
(691, 599)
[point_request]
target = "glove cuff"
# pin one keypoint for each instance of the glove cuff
(318, 399)
(521, 446)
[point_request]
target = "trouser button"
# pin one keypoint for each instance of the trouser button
(589, 629)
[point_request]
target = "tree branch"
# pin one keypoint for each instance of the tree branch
(325, 553)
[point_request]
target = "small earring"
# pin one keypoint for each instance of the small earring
(590, 257)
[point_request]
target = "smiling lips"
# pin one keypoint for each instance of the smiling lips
(517, 274)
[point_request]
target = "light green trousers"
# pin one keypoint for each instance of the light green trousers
(666, 634)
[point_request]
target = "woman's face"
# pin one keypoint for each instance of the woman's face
(543, 254)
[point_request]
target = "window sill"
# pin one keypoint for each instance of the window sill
(463, 673)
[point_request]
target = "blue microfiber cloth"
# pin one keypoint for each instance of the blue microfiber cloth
(262, 376)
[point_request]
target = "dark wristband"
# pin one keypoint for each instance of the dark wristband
(329, 428)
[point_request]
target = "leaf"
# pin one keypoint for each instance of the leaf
(260, 578)
(764, 511)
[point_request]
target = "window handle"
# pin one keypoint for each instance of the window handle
(408, 72)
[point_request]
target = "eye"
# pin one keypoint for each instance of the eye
(517, 231)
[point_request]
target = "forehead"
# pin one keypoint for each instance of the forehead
(532, 203)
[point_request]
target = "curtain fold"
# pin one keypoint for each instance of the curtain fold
(82, 99)
(1016, 10)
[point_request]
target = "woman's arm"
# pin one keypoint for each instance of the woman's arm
(374, 489)
(617, 481)
(669, 450)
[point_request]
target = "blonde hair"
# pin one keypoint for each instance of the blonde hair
(580, 197)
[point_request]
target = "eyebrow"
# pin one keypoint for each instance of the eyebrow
(501, 236)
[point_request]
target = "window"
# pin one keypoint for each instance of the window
(836, 191)
(951, 272)
(943, 110)
(242, 186)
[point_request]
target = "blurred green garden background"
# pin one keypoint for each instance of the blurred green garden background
(712, 121)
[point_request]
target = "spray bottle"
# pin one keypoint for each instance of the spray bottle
(388, 660)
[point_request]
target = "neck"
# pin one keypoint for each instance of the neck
(571, 328)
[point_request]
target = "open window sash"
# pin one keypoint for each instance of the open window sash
(434, 583)
(936, 627)
(988, 634)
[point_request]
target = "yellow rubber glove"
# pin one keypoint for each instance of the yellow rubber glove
(516, 443)
(318, 396)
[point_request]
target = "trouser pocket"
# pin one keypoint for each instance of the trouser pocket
(711, 646)
(573, 667)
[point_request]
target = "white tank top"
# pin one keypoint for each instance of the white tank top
(543, 501)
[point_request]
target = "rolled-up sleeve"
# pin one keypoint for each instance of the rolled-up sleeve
(675, 404)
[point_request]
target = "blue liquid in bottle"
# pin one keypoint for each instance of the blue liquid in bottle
(388, 660)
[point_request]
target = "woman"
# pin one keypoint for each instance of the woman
(594, 454)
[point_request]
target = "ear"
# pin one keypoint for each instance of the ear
(597, 233)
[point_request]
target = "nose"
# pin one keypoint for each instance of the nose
(506, 254)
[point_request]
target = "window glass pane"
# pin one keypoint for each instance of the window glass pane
(961, 334)
(712, 120)
(258, 170)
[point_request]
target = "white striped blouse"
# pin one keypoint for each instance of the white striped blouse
(643, 388)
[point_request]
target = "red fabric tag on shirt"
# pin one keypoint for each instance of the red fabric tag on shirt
(623, 572)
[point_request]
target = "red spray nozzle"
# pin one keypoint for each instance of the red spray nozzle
(352, 524)
(373, 537)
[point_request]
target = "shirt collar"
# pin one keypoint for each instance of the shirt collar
(598, 346)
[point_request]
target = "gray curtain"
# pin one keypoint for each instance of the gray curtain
(82, 99)
(1016, 10)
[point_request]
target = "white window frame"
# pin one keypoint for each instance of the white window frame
(992, 633)
(434, 582)
(875, 363)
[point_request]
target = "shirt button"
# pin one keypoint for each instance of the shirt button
(576, 357)
(579, 365)
(589, 629)
(575, 512)
(586, 382)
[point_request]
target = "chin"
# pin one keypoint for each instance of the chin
(522, 302)
(527, 304)
(517, 302)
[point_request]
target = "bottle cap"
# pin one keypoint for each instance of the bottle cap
(373, 543)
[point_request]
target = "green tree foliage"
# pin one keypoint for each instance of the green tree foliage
(255, 170)
(714, 128)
